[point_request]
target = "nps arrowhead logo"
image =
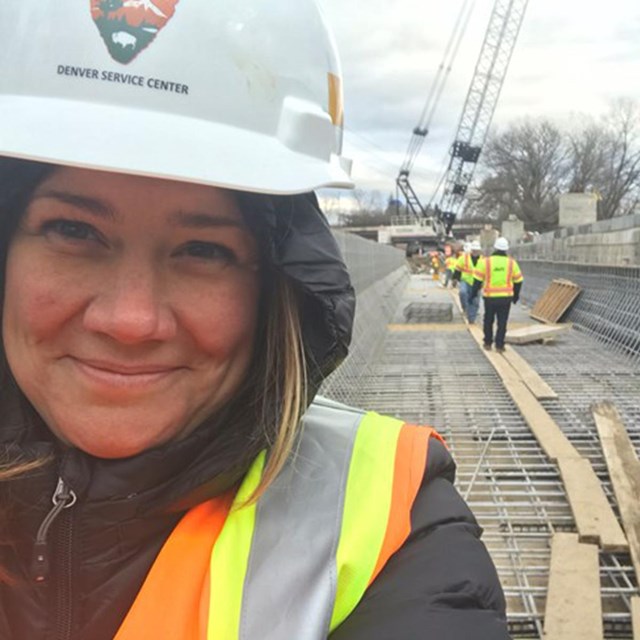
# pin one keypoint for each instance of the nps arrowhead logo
(128, 26)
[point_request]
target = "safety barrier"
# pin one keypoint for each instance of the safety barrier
(608, 307)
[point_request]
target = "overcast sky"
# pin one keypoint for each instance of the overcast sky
(572, 56)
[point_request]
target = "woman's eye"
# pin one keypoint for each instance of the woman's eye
(208, 251)
(71, 230)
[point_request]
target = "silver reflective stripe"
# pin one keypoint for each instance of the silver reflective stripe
(291, 578)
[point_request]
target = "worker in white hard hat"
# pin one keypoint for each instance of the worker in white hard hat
(173, 298)
(500, 278)
(464, 269)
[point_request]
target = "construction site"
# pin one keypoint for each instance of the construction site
(546, 431)
(545, 436)
(172, 180)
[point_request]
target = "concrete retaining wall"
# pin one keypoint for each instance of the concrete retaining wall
(368, 262)
(609, 242)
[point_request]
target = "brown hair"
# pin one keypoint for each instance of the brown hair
(265, 412)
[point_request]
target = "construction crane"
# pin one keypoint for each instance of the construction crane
(421, 130)
(477, 113)
(480, 105)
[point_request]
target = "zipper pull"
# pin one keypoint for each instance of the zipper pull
(63, 498)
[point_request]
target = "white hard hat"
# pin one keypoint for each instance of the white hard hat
(466, 247)
(235, 93)
(476, 246)
(501, 244)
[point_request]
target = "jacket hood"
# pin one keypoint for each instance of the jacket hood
(302, 246)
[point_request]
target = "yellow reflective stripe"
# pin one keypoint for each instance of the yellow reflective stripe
(366, 510)
(229, 560)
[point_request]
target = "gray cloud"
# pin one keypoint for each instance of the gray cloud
(572, 57)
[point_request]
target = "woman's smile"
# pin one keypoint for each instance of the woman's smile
(124, 376)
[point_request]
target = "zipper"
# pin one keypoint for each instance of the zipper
(63, 498)
(64, 574)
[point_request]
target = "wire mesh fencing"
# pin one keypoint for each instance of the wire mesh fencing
(608, 307)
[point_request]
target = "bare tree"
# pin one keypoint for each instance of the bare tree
(619, 180)
(525, 169)
(587, 145)
(369, 209)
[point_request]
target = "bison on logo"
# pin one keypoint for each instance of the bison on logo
(128, 26)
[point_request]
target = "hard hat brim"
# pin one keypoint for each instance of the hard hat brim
(112, 138)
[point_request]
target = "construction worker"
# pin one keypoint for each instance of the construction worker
(449, 268)
(465, 267)
(500, 279)
(172, 299)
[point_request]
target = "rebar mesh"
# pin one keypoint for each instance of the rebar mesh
(608, 307)
(442, 378)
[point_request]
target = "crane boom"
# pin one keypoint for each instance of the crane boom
(421, 130)
(480, 104)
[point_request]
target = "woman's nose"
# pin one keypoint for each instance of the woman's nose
(130, 307)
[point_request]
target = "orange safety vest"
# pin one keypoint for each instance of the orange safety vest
(499, 274)
(297, 563)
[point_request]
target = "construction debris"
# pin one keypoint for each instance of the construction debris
(555, 301)
(536, 333)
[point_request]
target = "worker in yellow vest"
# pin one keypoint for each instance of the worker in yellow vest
(464, 270)
(500, 279)
(449, 267)
(173, 298)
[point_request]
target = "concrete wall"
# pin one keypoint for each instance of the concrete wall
(367, 261)
(609, 242)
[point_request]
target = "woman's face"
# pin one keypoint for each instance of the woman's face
(130, 307)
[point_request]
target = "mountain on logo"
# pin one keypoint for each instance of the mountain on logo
(128, 26)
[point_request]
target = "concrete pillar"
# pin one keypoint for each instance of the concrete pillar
(513, 229)
(488, 236)
(578, 208)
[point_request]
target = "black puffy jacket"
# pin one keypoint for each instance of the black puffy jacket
(440, 584)
(96, 554)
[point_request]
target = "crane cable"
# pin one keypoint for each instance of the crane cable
(437, 88)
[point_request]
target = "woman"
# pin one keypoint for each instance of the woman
(170, 308)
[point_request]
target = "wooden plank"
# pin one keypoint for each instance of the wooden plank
(555, 301)
(574, 608)
(535, 332)
(635, 617)
(594, 517)
(624, 471)
(551, 438)
(547, 432)
(540, 389)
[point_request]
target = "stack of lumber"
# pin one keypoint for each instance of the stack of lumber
(555, 301)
